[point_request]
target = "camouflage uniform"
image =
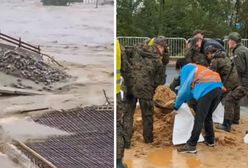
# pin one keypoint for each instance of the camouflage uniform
(120, 133)
(240, 61)
(223, 65)
(142, 71)
(165, 61)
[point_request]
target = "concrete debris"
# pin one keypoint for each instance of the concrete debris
(33, 68)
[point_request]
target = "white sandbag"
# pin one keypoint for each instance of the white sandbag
(183, 125)
(246, 139)
(218, 115)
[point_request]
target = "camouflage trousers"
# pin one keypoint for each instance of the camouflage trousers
(231, 101)
(147, 108)
(119, 126)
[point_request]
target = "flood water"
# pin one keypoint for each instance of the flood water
(78, 33)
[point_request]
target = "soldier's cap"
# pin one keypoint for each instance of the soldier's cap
(235, 37)
(160, 40)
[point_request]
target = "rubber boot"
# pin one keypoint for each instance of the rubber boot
(120, 164)
(226, 126)
(236, 122)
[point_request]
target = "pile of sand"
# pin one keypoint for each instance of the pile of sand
(164, 122)
(164, 96)
(227, 139)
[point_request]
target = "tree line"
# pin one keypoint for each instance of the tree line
(179, 18)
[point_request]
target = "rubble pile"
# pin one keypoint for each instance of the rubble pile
(30, 67)
(163, 119)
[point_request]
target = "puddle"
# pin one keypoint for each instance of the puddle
(161, 157)
(193, 163)
(165, 158)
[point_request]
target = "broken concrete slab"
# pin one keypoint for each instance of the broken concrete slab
(14, 91)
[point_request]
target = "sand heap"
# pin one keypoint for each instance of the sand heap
(164, 122)
(30, 67)
(163, 119)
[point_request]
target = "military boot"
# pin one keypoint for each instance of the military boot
(148, 139)
(226, 126)
(120, 164)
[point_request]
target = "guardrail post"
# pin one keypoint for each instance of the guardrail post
(20, 41)
(39, 49)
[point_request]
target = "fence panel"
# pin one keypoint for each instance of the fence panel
(131, 41)
(176, 45)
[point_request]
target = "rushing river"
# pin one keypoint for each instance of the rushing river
(75, 33)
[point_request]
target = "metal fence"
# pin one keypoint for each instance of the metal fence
(131, 41)
(102, 2)
(176, 45)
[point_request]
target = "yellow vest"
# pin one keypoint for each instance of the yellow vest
(118, 67)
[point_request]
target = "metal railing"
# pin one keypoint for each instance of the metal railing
(20, 43)
(97, 2)
(176, 45)
(131, 41)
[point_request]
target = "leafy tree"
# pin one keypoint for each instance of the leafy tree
(179, 18)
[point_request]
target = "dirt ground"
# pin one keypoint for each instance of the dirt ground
(229, 152)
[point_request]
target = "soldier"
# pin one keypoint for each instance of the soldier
(143, 71)
(199, 34)
(200, 44)
(120, 110)
(203, 44)
(240, 60)
(222, 64)
(193, 53)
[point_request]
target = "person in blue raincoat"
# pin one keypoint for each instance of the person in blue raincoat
(203, 85)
